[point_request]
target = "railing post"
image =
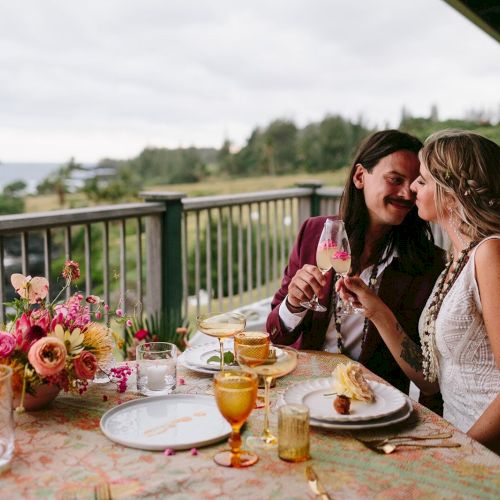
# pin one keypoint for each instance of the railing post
(309, 207)
(165, 252)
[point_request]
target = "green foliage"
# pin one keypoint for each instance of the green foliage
(11, 205)
(11, 199)
(58, 182)
(160, 327)
(228, 359)
(169, 165)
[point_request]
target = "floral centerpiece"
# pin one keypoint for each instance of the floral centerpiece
(59, 342)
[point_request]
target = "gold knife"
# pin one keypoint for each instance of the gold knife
(315, 485)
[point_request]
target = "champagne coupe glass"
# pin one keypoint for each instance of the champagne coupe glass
(258, 344)
(221, 325)
(280, 361)
(235, 394)
(341, 257)
(324, 253)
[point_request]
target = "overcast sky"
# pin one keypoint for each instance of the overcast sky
(106, 78)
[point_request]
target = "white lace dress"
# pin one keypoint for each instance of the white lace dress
(468, 377)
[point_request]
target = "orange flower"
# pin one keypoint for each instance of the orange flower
(47, 356)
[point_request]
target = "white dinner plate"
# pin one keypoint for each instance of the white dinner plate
(199, 355)
(196, 358)
(312, 392)
(176, 421)
(181, 360)
(399, 416)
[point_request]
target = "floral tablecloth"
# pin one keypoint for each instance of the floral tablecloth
(61, 453)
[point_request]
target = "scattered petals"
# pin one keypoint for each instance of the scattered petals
(169, 452)
(194, 452)
(182, 381)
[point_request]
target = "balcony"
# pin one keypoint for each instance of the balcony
(171, 254)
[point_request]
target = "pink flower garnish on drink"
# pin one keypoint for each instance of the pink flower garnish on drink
(323, 245)
(342, 255)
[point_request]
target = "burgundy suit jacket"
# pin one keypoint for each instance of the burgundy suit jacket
(405, 294)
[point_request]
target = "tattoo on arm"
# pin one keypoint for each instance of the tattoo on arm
(410, 352)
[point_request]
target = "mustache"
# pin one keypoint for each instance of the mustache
(401, 201)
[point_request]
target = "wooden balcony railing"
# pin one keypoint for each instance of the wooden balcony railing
(172, 253)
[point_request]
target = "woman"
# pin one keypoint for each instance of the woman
(459, 188)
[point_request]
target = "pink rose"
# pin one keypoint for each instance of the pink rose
(85, 365)
(141, 334)
(47, 356)
(7, 344)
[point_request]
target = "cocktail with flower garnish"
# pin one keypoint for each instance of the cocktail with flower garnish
(221, 325)
(341, 258)
(280, 361)
(235, 394)
(327, 247)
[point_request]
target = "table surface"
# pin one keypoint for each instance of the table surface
(61, 453)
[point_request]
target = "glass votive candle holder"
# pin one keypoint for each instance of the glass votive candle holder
(293, 433)
(156, 368)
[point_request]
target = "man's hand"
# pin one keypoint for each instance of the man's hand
(307, 281)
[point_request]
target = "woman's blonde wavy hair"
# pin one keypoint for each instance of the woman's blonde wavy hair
(466, 166)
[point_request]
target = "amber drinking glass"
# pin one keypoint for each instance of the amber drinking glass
(235, 394)
(221, 325)
(281, 360)
(257, 343)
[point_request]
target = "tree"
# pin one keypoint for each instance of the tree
(280, 147)
(58, 181)
(11, 199)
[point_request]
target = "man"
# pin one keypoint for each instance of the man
(391, 250)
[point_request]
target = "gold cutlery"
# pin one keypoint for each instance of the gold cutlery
(416, 437)
(387, 448)
(102, 491)
(315, 485)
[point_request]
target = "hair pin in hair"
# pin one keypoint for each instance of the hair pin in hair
(447, 175)
(492, 202)
(467, 192)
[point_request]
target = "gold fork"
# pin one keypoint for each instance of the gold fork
(416, 437)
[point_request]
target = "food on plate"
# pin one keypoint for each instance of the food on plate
(349, 381)
(342, 404)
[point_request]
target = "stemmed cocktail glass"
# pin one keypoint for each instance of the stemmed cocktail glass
(341, 257)
(280, 361)
(221, 325)
(235, 394)
(327, 247)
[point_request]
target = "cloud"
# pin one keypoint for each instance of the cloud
(98, 79)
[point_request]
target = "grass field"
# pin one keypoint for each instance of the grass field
(210, 186)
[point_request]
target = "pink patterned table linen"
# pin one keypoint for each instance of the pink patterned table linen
(61, 453)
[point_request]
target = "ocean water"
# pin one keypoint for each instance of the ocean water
(31, 173)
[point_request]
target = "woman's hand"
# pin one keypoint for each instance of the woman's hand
(354, 290)
(308, 280)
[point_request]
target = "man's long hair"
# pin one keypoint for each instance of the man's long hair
(412, 239)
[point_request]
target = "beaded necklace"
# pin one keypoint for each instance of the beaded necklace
(337, 306)
(429, 362)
